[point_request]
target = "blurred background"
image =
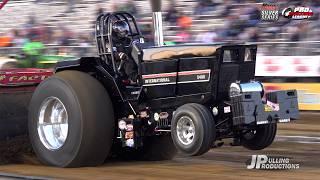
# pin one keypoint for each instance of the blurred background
(37, 33)
(70, 23)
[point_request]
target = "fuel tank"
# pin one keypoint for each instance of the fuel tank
(171, 71)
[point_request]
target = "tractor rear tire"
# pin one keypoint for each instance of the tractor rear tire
(260, 138)
(193, 129)
(82, 115)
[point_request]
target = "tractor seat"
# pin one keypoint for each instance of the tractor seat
(168, 52)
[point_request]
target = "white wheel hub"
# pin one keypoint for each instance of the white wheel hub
(53, 123)
(185, 130)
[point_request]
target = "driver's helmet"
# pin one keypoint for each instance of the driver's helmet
(120, 29)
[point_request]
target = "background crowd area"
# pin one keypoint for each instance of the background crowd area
(66, 27)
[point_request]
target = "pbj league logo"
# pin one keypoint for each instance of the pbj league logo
(297, 13)
(271, 163)
(269, 12)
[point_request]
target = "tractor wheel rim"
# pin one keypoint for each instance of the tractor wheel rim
(185, 130)
(53, 123)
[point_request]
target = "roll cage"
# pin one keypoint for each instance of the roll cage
(103, 34)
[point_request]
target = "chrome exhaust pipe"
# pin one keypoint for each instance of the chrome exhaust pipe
(157, 28)
(157, 22)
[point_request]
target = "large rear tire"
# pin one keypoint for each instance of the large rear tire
(193, 129)
(71, 120)
(260, 138)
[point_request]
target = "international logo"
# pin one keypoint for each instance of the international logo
(297, 13)
(269, 12)
(265, 162)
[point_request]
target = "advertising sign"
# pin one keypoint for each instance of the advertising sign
(308, 93)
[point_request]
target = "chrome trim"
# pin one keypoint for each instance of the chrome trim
(157, 28)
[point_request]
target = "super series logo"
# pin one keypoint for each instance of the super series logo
(269, 12)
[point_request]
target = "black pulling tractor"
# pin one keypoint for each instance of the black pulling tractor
(185, 97)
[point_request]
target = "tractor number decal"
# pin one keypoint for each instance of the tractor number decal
(194, 76)
(171, 78)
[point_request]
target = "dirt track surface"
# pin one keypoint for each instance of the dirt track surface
(220, 163)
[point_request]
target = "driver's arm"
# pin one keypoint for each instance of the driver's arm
(128, 65)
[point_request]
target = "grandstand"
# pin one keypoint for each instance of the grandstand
(54, 14)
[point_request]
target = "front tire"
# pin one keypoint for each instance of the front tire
(71, 121)
(260, 138)
(193, 129)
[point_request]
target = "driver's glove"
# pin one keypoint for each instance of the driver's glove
(123, 58)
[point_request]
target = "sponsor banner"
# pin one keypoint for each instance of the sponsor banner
(14, 77)
(288, 66)
(308, 93)
(171, 78)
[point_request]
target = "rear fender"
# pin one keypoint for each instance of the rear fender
(91, 65)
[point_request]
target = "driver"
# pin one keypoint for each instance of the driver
(123, 48)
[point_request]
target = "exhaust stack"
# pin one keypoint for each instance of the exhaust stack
(157, 22)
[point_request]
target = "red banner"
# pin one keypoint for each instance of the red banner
(288, 66)
(4, 2)
(14, 77)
